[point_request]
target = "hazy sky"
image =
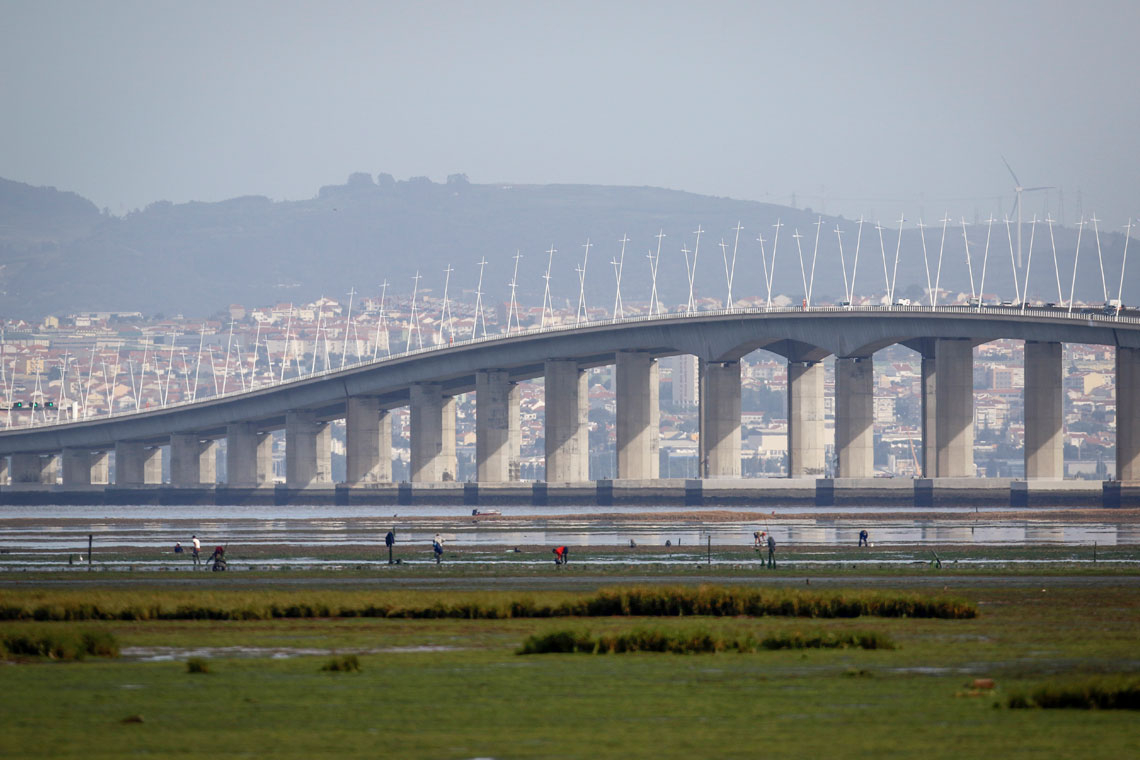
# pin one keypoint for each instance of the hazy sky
(856, 107)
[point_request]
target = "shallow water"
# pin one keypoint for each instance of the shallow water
(206, 513)
(297, 534)
(169, 654)
(54, 534)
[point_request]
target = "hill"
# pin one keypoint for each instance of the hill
(59, 254)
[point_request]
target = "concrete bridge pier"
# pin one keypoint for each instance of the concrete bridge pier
(49, 475)
(1127, 413)
(567, 418)
(100, 468)
(855, 416)
(26, 468)
(954, 408)
(368, 442)
(32, 469)
(497, 436)
(805, 419)
(432, 418)
(1044, 420)
(719, 420)
(308, 450)
(638, 416)
(136, 464)
(929, 381)
(76, 467)
(4, 471)
(249, 456)
(193, 462)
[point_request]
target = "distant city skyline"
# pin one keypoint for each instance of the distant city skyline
(851, 109)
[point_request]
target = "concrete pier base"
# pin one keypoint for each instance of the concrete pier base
(368, 442)
(249, 456)
(806, 454)
(1044, 420)
(433, 434)
(719, 451)
(954, 414)
(497, 433)
(308, 451)
(1128, 414)
(855, 416)
(694, 493)
(1050, 492)
(567, 415)
(638, 416)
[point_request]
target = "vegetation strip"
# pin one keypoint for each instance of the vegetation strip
(1090, 694)
(716, 601)
(675, 642)
(58, 645)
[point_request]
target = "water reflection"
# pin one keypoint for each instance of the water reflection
(66, 535)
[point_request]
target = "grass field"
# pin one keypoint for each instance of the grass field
(457, 688)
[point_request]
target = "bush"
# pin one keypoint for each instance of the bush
(559, 642)
(197, 665)
(99, 643)
(348, 663)
(862, 640)
(1089, 694)
(59, 645)
(698, 642)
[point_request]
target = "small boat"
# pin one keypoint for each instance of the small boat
(485, 512)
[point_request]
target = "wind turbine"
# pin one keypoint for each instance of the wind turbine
(1017, 191)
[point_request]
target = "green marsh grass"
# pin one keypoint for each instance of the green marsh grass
(455, 687)
(1103, 693)
(666, 601)
(694, 642)
(58, 644)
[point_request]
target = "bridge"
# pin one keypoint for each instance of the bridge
(77, 453)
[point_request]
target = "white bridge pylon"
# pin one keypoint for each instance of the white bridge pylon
(638, 294)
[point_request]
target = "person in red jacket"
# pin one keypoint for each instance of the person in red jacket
(561, 555)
